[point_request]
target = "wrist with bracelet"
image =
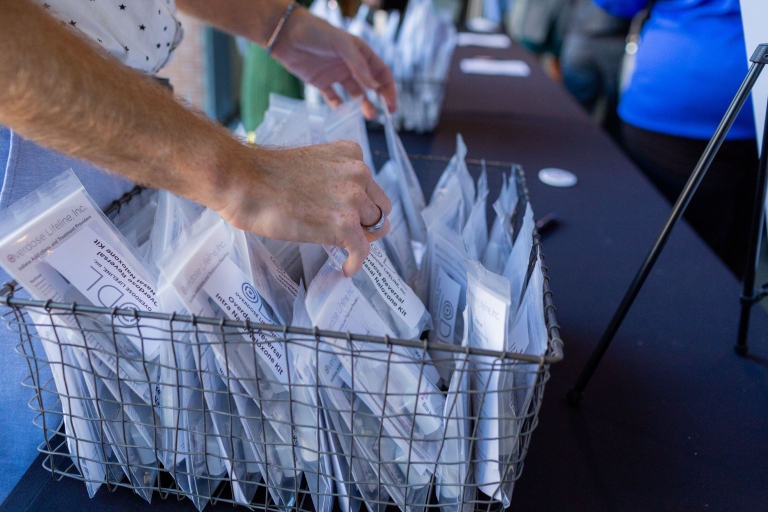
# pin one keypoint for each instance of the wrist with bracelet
(279, 28)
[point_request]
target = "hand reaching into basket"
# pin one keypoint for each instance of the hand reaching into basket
(309, 47)
(59, 91)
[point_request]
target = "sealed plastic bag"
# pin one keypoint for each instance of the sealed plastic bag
(487, 316)
(288, 254)
(134, 221)
(335, 303)
(475, 232)
(397, 243)
(411, 195)
(313, 257)
(528, 335)
(388, 293)
(61, 247)
(91, 455)
(516, 267)
(445, 273)
(209, 273)
(455, 492)
(346, 122)
(271, 279)
(500, 240)
(312, 439)
(190, 451)
(456, 176)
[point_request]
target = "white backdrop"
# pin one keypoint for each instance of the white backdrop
(754, 14)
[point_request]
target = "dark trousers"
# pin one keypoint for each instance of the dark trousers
(721, 208)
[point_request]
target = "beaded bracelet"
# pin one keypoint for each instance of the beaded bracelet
(279, 28)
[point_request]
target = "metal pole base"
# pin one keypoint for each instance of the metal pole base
(742, 350)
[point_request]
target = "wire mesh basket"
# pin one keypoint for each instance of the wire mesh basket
(356, 422)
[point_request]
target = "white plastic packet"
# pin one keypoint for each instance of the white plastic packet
(172, 215)
(356, 477)
(378, 282)
(411, 195)
(528, 335)
(500, 240)
(283, 106)
(271, 279)
(312, 440)
(456, 176)
(378, 459)
(475, 232)
(455, 492)
(134, 221)
(288, 254)
(346, 122)
(280, 130)
(335, 303)
(487, 316)
(190, 450)
(209, 272)
(60, 246)
(90, 453)
(313, 257)
(444, 271)
(397, 243)
(516, 267)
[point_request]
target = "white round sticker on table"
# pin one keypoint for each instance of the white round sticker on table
(557, 177)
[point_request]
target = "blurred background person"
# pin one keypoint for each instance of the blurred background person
(590, 60)
(690, 62)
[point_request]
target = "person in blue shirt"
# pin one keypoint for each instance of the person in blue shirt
(690, 62)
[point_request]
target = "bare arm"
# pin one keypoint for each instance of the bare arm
(60, 92)
(304, 42)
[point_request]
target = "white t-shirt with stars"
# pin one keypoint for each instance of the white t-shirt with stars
(140, 33)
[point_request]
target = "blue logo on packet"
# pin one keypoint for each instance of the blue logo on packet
(250, 293)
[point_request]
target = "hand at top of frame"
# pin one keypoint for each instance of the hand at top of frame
(322, 55)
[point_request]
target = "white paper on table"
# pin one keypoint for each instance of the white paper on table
(483, 40)
(495, 67)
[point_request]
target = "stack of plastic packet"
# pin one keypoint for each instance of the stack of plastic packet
(417, 48)
(61, 247)
(486, 292)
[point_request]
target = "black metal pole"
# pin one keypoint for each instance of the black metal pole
(748, 297)
(758, 59)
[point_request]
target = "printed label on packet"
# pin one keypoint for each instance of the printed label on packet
(446, 300)
(106, 277)
(398, 295)
(228, 286)
(282, 277)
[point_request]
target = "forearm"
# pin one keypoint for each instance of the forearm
(58, 91)
(252, 19)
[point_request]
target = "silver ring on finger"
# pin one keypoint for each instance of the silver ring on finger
(378, 225)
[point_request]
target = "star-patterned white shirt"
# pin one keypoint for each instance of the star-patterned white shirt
(140, 33)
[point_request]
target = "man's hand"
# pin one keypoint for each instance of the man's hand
(322, 194)
(322, 55)
(309, 47)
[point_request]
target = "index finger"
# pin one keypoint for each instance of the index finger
(383, 76)
(371, 72)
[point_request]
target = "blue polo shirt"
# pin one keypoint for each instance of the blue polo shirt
(690, 63)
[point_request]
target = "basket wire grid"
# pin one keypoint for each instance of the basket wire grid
(141, 418)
